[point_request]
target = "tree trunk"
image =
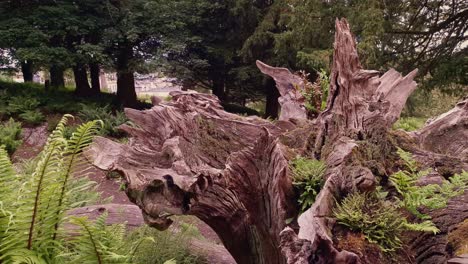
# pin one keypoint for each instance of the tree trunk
(56, 77)
(219, 86)
(126, 93)
(95, 71)
(188, 156)
(126, 89)
(272, 95)
(81, 80)
(27, 70)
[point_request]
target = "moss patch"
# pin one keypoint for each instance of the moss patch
(458, 238)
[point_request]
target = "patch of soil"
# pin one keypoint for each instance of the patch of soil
(458, 239)
(34, 139)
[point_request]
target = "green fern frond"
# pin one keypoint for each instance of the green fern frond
(95, 243)
(79, 140)
(426, 226)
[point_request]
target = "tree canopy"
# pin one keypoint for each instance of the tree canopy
(213, 45)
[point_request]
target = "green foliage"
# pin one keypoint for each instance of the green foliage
(33, 207)
(32, 117)
(380, 221)
(431, 196)
(409, 123)
(308, 178)
(21, 104)
(427, 104)
(10, 133)
(111, 120)
(96, 243)
(324, 79)
(162, 246)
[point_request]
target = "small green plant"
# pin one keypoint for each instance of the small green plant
(96, 242)
(111, 120)
(324, 80)
(308, 178)
(164, 245)
(10, 133)
(380, 221)
(431, 196)
(312, 93)
(32, 117)
(409, 123)
(21, 104)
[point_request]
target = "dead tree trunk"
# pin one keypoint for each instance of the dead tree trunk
(188, 156)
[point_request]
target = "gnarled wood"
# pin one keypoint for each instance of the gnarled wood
(189, 156)
(289, 86)
(447, 133)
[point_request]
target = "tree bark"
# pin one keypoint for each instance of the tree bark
(126, 93)
(188, 156)
(81, 80)
(95, 72)
(126, 89)
(219, 84)
(56, 77)
(272, 95)
(27, 70)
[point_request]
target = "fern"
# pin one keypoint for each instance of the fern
(431, 196)
(379, 221)
(96, 243)
(308, 178)
(10, 133)
(38, 206)
(75, 145)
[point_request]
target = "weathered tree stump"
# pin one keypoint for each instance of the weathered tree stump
(188, 156)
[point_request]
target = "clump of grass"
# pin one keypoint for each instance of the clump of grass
(10, 133)
(308, 179)
(410, 123)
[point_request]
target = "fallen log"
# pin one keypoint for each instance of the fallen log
(188, 156)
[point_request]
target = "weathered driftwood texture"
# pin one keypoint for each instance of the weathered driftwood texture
(188, 156)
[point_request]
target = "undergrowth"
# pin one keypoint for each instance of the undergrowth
(110, 119)
(410, 123)
(30, 103)
(33, 202)
(382, 218)
(308, 179)
(10, 133)
(164, 245)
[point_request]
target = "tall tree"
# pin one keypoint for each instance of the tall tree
(134, 34)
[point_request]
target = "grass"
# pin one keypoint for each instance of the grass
(410, 123)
